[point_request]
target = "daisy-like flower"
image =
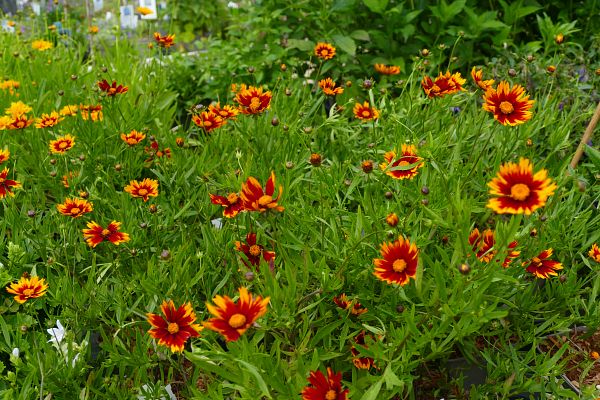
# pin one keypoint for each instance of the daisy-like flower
(93, 112)
(255, 199)
(365, 111)
(518, 190)
(7, 185)
(164, 41)
(225, 112)
(208, 120)
(387, 70)
(324, 51)
(175, 327)
(145, 189)
(232, 204)
(344, 303)
(444, 84)
(399, 263)
(510, 106)
(406, 166)
(112, 89)
(144, 10)
(4, 155)
(323, 387)
(541, 266)
(595, 253)
(232, 319)
(48, 120)
(93, 29)
(28, 288)
(62, 144)
(483, 245)
(254, 251)
(477, 75)
(17, 109)
(253, 100)
(132, 138)
(328, 87)
(95, 234)
(361, 362)
(69, 110)
(41, 45)
(20, 122)
(75, 207)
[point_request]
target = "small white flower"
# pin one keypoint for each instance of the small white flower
(56, 334)
(233, 4)
(217, 223)
(170, 392)
(16, 352)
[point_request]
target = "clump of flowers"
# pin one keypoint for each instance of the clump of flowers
(10, 85)
(254, 198)
(324, 51)
(93, 112)
(96, 234)
(542, 266)
(28, 288)
(399, 262)
(175, 327)
(510, 106)
(225, 112)
(365, 112)
(404, 167)
(443, 85)
(253, 251)
(344, 303)
(16, 116)
(323, 387)
(144, 190)
(154, 151)
(483, 245)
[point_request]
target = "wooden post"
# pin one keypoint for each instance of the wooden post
(587, 135)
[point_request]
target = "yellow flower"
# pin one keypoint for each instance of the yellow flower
(41, 45)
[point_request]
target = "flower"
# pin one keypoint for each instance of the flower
(93, 29)
(541, 266)
(176, 327)
(28, 288)
(164, 41)
(252, 100)
(344, 303)
(20, 122)
(325, 388)
(69, 110)
(154, 151)
(254, 251)
(328, 87)
(391, 219)
(48, 120)
(443, 85)
(225, 112)
(6, 185)
(361, 362)
(10, 85)
(367, 166)
(56, 334)
(255, 199)
(144, 10)
(477, 75)
(144, 189)
(41, 45)
(594, 253)
(405, 167)
(558, 39)
(233, 319)
(365, 112)
(132, 138)
(4, 155)
(69, 176)
(232, 204)
(519, 191)
(5, 122)
(483, 244)
(62, 144)
(208, 120)
(112, 89)
(399, 263)
(324, 51)
(17, 109)
(385, 70)
(509, 105)
(75, 207)
(93, 112)
(95, 234)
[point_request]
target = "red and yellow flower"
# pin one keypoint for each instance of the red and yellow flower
(483, 245)
(399, 262)
(325, 388)
(95, 234)
(405, 167)
(232, 204)
(4, 155)
(344, 303)
(62, 144)
(510, 106)
(20, 122)
(253, 251)
(17, 109)
(253, 100)
(255, 199)
(387, 70)
(175, 327)
(132, 138)
(48, 120)
(164, 41)
(594, 253)
(75, 207)
(93, 112)
(518, 190)
(208, 120)
(328, 87)
(477, 75)
(69, 110)
(154, 151)
(144, 190)
(365, 111)
(361, 362)
(225, 112)
(7, 185)
(232, 319)
(28, 288)
(112, 89)
(541, 266)
(444, 84)
(324, 51)
(69, 177)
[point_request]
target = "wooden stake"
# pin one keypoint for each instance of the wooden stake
(587, 135)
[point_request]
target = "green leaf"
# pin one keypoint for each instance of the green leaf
(593, 154)
(259, 379)
(373, 391)
(377, 6)
(304, 45)
(361, 35)
(345, 43)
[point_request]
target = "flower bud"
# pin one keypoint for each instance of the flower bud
(389, 195)
(315, 159)
(367, 166)
(425, 190)
(392, 219)
(275, 121)
(289, 165)
(464, 268)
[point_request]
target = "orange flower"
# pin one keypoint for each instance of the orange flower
(252, 100)
(324, 51)
(328, 87)
(225, 112)
(232, 204)
(595, 253)
(344, 303)
(6, 185)
(365, 112)
(70, 111)
(519, 191)
(17, 109)
(112, 89)
(164, 41)
(75, 207)
(477, 75)
(144, 189)
(233, 319)
(70, 176)
(443, 85)
(541, 266)
(208, 120)
(405, 167)
(253, 251)
(28, 288)
(510, 106)
(41, 45)
(95, 234)
(484, 243)
(132, 138)
(361, 362)
(325, 388)
(93, 112)
(48, 120)
(176, 327)
(62, 144)
(385, 70)
(93, 29)
(399, 263)
(255, 199)
(4, 155)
